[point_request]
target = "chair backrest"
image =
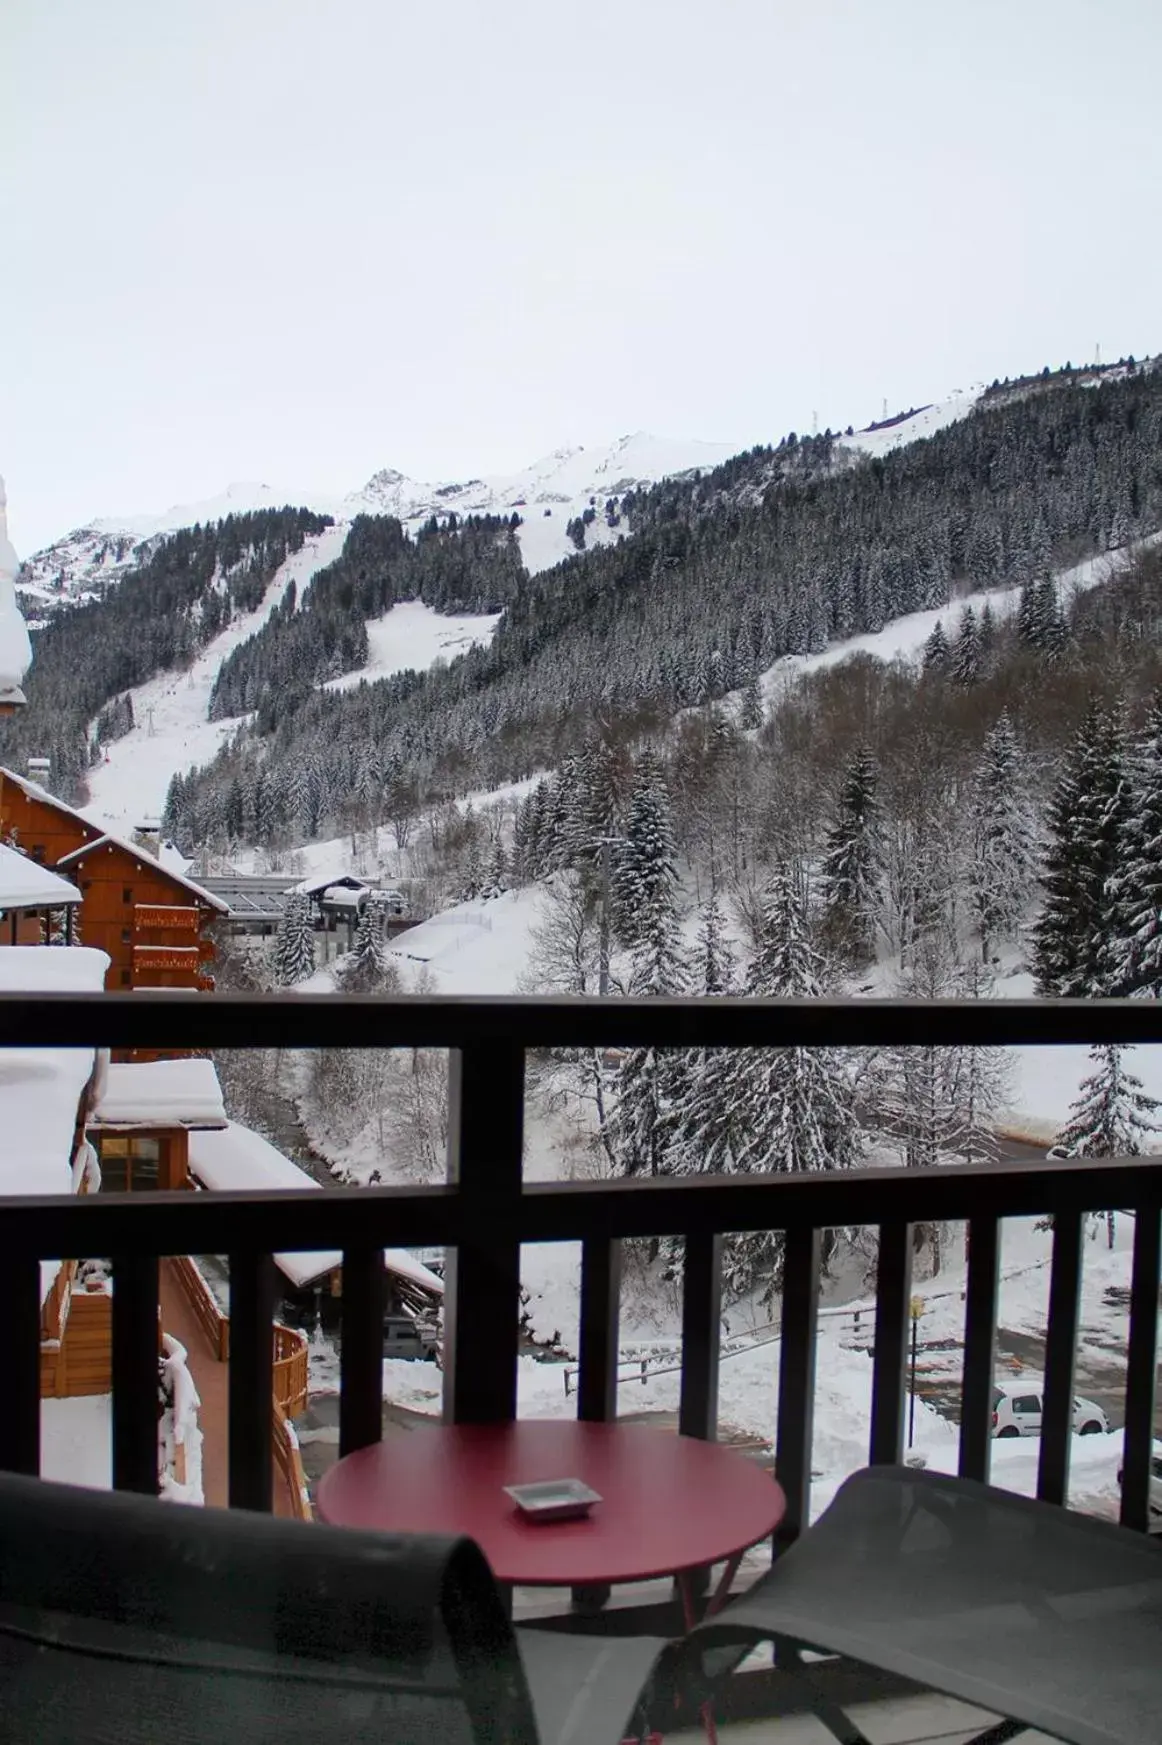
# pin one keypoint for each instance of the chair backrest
(239, 1625)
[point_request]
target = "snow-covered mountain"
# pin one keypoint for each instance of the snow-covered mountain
(546, 495)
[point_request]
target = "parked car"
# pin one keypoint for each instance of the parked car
(1017, 1412)
(403, 1337)
(1155, 1497)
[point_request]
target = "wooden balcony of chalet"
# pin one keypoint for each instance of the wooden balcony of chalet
(485, 1211)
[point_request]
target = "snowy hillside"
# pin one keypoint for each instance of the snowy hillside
(546, 495)
(881, 439)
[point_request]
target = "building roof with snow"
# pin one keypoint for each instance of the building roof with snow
(25, 884)
(236, 1158)
(15, 648)
(160, 1093)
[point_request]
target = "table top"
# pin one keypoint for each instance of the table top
(668, 1503)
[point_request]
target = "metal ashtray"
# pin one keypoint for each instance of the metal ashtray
(553, 1499)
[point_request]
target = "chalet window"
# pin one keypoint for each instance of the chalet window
(127, 894)
(126, 935)
(38, 851)
(128, 1165)
(126, 978)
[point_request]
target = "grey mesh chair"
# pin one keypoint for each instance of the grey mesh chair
(1045, 1617)
(123, 1619)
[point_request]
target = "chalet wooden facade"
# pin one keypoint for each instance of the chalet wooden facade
(148, 919)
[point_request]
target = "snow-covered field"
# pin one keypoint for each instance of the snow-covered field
(413, 635)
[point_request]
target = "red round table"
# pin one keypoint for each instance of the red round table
(668, 1503)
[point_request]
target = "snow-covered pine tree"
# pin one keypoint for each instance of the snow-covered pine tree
(793, 1107)
(294, 946)
(651, 1080)
(1003, 853)
(1133, 930)
(936, 651)
(750, 708)
(966, 654)
(1110, 1116)
(644, 876)
(852, 865)
(1086, 819)
(368, 965)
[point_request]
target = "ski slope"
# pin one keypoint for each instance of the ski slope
(172, 728)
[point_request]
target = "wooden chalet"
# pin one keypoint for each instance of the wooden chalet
(149, 919)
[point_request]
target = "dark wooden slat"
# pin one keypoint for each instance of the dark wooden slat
(20, 1444)
(889, 1369)
(361, 1353)
(135, 1373)
(600, 1317)
(980, 1347)
(1060, 1358)
(794, 1426)
(1141, 1368)
(701, 1336)
(251, 1479)
(198, 1020)
(179, 1223)
(482, 1294)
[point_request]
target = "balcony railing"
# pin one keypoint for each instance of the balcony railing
(486, 1211)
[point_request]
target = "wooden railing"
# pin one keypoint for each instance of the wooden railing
(290, 1370)
(203, 1304)
(289, 1464)
(486, 1211)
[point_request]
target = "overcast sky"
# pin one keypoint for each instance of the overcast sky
(299, 241)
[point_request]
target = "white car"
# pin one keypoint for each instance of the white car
(1155, 1497)
(1017, 1412)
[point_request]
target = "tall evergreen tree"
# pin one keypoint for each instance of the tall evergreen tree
(852, 865)
(1133, 932)
(1111, 1114)
(294, 946)
(644, 876)
(1003, 855)
(794, 1105)
(937, 655)
(1087, 815)
(369, 961)
(965, 659)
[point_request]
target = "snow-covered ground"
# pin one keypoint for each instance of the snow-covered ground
(414, 635)
(925, 422)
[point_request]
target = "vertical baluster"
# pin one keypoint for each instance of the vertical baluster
(361, 1353)
(1141, 1369)
(482, 1296)
(136, 1348)
(20, 1444)
(1060, 1358)
(889, 1369)
(251, 1381)
(600, 1315)
(701, 1325)
(980, 1345)
(796, 1409)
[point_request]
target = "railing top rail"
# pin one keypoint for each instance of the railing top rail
(286, 1220)
(173, 1019)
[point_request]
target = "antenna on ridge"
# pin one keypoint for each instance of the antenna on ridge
(1097, 357)
(884, 413)
(815, 424)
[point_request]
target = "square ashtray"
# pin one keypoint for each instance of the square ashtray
(553, 1499)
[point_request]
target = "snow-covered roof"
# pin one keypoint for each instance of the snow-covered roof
(315, 887)
(344, 896)
(25, 884)
(140, 855)
(15, 648)
(236, 1158)
(40, 1088)
(161, 1093)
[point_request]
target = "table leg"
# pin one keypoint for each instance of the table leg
(689, 1614)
